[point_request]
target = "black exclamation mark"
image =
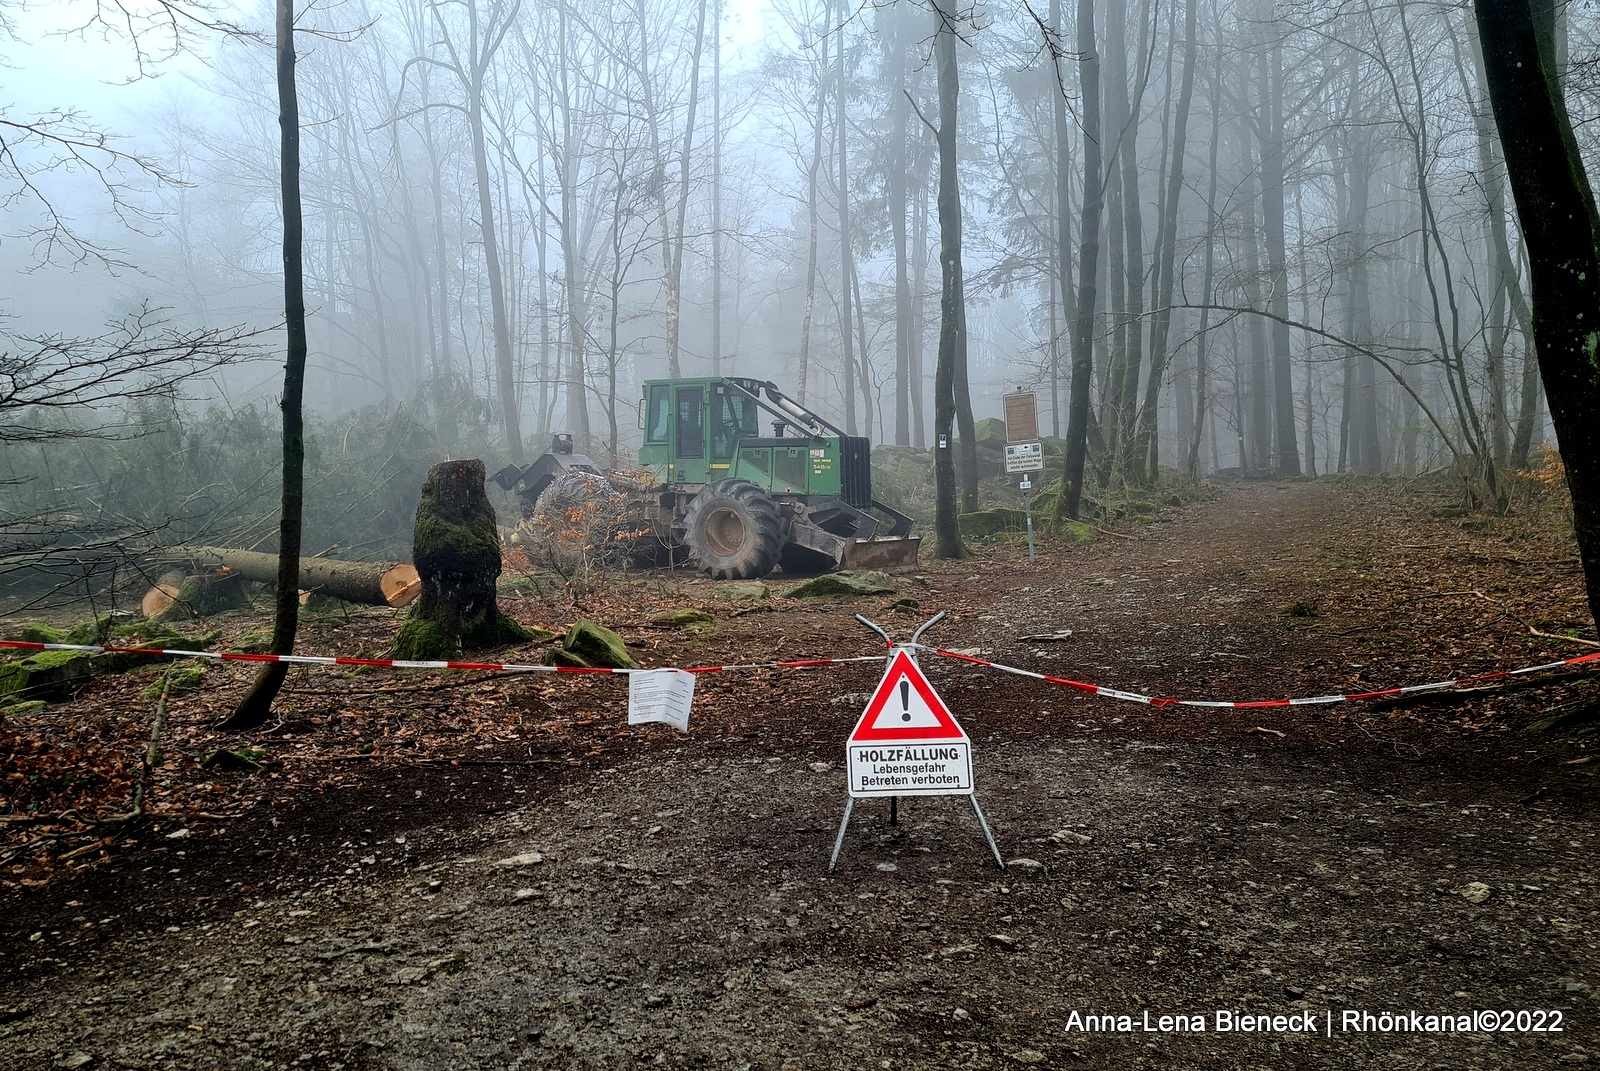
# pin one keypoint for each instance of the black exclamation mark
(905, 699)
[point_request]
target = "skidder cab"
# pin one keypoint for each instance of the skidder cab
(741, 503)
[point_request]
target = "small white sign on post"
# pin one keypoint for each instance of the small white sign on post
(662, 695)
(1025, 457)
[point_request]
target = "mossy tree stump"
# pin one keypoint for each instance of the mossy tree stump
(456, 549)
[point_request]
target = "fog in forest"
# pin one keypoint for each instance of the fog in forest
(517, 212)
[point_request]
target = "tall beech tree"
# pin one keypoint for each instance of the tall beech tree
(1561, 232)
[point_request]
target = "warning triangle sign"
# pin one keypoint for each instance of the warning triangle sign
(905, 707)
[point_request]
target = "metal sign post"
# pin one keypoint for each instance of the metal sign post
(907, 742)
(1027, 509)
(1024, 458)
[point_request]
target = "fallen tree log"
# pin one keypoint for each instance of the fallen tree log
(369, 583)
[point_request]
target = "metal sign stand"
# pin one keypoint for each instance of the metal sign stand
(850, 801)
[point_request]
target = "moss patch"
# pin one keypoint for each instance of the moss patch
(990, 522)
(681, 618)
(257, 642)
(1074, 532)
(741, 591)
(421, 640)
(181, 677)
(243, 760)
(514, 632)
(842, 585)
(555, 656)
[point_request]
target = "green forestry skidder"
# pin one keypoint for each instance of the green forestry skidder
(740, 504)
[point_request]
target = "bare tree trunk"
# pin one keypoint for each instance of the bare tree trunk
(1128, 356)
(919, 301)
(1062, 289)
(1258, 424)
(896, 181)
(841, 141)
(675, 251)
(1366, 451)
(470, 68)
(1146, 451)
(1561, 226)
(947, 530)
(1508, 290)
(572, 260)
(813, 224)
(716, 192)
(1088, 264)
(254, 707)
(1273, 234)
(1202, 400)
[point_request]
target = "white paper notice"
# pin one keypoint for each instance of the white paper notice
(660, 695)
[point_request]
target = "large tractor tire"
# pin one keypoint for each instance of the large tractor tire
(734, 530)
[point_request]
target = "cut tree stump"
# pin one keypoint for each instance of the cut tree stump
(369, 583)
(456, 548)
(162, 594)
(200, 595)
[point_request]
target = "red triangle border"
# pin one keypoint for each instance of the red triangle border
(902, 663)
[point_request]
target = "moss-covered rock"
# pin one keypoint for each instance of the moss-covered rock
(598, 646)
(842, 585)
(684, 617)
(740, 591)
(520, 585)
(90, 633)
(555, 656)
(49, 675)
(990, 432)
(164, 638)
(36, 632)
(990, 522)
(21, 710)
(145, 632)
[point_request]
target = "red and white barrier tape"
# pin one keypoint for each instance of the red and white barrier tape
(1350, 697)
(807, 663)
(396, 663)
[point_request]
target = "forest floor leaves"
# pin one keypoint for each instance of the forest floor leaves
(666, 900)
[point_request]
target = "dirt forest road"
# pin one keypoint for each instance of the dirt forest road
(670, 906)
